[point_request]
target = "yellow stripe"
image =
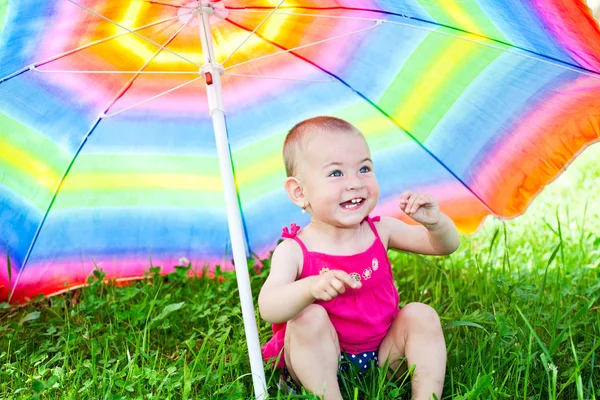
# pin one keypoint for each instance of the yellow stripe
(275, 25)
(34, 167)
(454, 11)
(226, 45)
(141, 181)
(145, 50)
(141, 48)
(431, 82)
(266, 166)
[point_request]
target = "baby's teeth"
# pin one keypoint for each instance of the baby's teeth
(354, 202)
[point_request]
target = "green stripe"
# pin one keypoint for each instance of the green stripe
(456, 81)
(3, 9)
(248, 161)
(145, 164)
(379, 131)
(24, 185)
(37, 146)
(138, 197)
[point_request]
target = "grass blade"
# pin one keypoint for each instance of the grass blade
(535, 335)
(462, 323)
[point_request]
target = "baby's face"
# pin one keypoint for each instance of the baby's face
(337, 176)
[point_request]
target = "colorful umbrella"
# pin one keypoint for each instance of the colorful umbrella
(109, 159)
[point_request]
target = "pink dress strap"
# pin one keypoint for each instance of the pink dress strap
(292, 233)
(371, 222)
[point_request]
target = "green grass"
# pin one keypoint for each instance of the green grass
(518, 301)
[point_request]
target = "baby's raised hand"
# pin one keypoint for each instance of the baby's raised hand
(421, 207)
(332, 283)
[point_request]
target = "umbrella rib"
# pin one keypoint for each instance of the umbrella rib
(398, 124)
(306, 15)
(294, 48)
(162, 3)
(557, 62)
(72, 51)
(135, 33)
(252, 33)
(282, 78)
(74, 71)
(15, 74)
(60, 183)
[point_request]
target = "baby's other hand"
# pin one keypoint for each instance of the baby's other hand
(421, 207)
(331, 284)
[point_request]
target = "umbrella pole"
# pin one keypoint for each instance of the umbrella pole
(212, 73)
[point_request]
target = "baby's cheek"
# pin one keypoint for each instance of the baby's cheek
(374, 184)
(374, 190)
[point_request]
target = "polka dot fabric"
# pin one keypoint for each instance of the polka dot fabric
(361, 360)
(358, 364)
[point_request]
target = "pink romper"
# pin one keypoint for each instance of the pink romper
(361, 317)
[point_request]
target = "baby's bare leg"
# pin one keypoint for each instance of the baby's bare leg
(416, 334)
(312, 352)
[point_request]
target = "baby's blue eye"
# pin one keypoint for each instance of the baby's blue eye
(336, 173)
(364, 170)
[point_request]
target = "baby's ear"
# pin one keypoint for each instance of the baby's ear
(293, 189)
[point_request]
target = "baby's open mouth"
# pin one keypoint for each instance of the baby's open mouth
(352, 204)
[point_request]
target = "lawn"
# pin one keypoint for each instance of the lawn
(518, 301)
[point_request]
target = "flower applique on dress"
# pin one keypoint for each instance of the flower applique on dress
(323, 270)
(367, 273)
(375, 264)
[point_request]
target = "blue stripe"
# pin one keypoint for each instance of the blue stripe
(34, 101)
(23, 27)
(18, 222)
(516, 18)
(51, 203)
(143, 132)
(370, 70)
(266, 216)
(127, 231)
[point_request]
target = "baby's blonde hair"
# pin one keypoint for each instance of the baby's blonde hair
(297, 137)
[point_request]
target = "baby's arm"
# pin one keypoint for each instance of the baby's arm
(282, 296)
(437, 234)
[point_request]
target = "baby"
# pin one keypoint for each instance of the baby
(330, 293)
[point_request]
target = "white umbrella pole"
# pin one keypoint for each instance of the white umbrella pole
(212, 73)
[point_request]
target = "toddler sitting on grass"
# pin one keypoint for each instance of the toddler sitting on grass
(330, 292)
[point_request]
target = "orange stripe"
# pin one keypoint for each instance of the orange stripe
(539, 149)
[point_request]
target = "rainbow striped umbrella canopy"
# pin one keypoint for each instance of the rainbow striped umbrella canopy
(108, 157)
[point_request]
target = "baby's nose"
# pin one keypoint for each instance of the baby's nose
(355, 183)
